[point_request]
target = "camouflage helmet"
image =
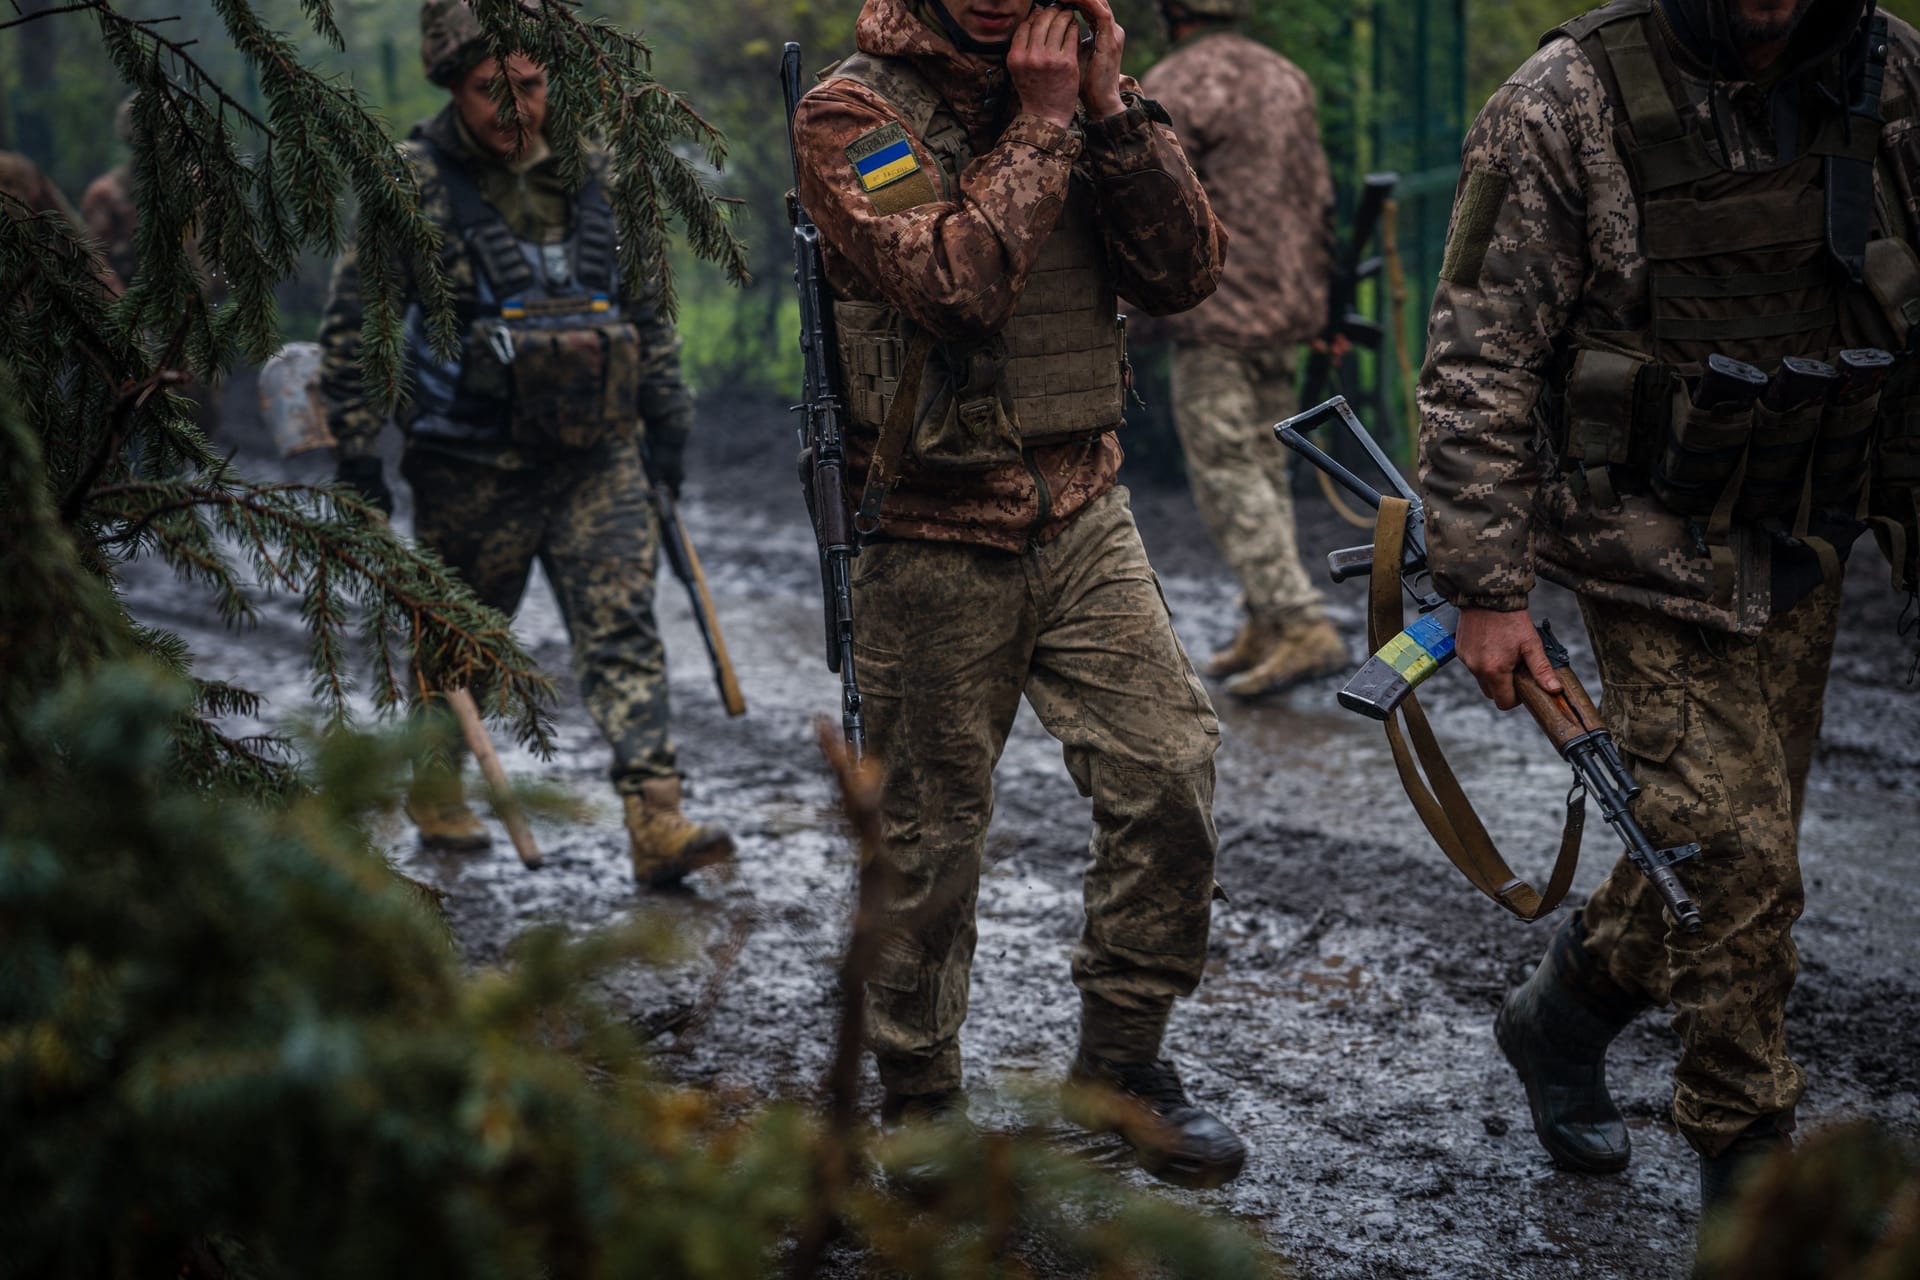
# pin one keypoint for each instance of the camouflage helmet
(1214, 10)
(450, 41)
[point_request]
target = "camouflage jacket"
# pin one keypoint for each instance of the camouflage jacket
(957, 267)
(1246, 117)
(21, 179)
(111, 217)
(1565, 242)
(532, 198)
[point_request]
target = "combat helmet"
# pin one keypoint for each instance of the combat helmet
(451, 43)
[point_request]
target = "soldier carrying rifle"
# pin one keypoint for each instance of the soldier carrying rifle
(1659, 374)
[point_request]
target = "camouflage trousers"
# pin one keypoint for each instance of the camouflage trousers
(1720, 730)
(588, 519)
(949, 638)
(1225, 403)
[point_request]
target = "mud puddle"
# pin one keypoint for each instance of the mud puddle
(1344, 1026)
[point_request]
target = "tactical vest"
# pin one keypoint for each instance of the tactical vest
(545, 358)
(1054, 373)
(1757, 266)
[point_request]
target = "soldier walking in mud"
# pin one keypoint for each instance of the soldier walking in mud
(528, 443)
(1246, 117)
(982, 198)
(1673, 245)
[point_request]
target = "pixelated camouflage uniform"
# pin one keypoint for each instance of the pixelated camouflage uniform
(1717, 700)
(1247, 119)
(489, 507)
(21, 179)
(1023, 576)
(111, 217)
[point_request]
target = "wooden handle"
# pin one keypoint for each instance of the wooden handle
(730, 695)
(1562, 716)
(474, 730)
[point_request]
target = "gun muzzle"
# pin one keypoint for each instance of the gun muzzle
(1726, 381)
(1674, 895)
(1801, 382)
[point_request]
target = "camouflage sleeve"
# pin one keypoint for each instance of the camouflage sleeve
(1514, 267)
(1165, 243)
(957, 266)
(351, 415)
(666, 402)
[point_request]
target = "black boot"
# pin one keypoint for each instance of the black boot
(1555, 1028)
(1145, 1103)
(922, 1173)
(1722, 1176)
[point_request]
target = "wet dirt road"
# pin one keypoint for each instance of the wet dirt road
(1344, 1027)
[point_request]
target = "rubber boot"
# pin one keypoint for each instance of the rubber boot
(666, 845)
(1723, 1176)
(922, 1171)
(1555, 1028)
(1252, 642)
(1303, 651)
(437, 804)
(1145, 1103)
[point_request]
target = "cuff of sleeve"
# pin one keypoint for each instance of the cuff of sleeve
(1043, 136)
(1117, 129)
(1496, 603)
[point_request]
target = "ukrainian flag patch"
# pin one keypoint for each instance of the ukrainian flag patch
(882, 157)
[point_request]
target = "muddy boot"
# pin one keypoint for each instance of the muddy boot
(1555, 1028)
(1722, 1177)
(1145, 1103)
(439, 810)
(921, 1171)
(1252, 642)
(1304, 651)
(666, 845)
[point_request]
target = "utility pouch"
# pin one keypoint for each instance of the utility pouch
(1840, 455)
(573, 387)
(1776, 473)
(1701, 454)
(967, 424)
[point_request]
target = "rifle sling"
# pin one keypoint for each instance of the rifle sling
(883, 469)
(1443, 807)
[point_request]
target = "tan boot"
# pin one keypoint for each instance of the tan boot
(666, 845)
(1252, 642)
(1304, 651)
(445, 822)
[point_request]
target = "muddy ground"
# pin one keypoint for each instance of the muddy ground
(1344, 1027)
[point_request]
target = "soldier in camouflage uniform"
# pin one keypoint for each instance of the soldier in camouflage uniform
(108, 205)
(1667, 180)
(528, 443)
(980, 204)
(1246, 116)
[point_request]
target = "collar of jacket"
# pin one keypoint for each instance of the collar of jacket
(1699, 32)
(975, 86)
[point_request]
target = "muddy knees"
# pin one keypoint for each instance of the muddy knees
(1555, 1028)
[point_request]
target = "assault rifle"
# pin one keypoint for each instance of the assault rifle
(1405, 657)
(823, 457)
(1351, 267)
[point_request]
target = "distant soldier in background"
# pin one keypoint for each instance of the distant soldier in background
(527, 443)
(22, 181)
(108, 205)
(1246, 117)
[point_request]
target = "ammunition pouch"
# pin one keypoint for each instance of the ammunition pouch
(1777, 458)
(1702, 456)
(574, 387)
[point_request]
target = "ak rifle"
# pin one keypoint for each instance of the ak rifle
(823, 458)
(1404, 657)
(1351, 268)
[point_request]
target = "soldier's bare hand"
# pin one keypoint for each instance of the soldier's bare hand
(1493, 645)
(1044, 64)
(1100, 76)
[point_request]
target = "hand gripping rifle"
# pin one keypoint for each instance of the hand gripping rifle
(823, 456)
(1404, 657)
(1350, 269)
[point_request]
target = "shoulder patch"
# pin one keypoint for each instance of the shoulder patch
(889, 172)
(1473, 222)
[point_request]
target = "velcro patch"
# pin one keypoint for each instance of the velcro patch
(1473, 222)
(889, 172)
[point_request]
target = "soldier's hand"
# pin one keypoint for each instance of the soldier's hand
(1100, 74)
(1044, 64)
(666, 465)
(1493, 645)
(367, 478)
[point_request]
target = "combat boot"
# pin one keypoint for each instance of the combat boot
(1722, 1177)
(921, 1170)
(1145, 1103)
(1252, 642)
(439, 810)
(1303, 651)
(1555, 1028)
(666, 845)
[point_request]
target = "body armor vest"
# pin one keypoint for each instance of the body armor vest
(1757, 266)
(545, 358)
(1054, 373)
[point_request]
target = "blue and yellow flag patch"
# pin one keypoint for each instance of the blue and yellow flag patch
(889, 172)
